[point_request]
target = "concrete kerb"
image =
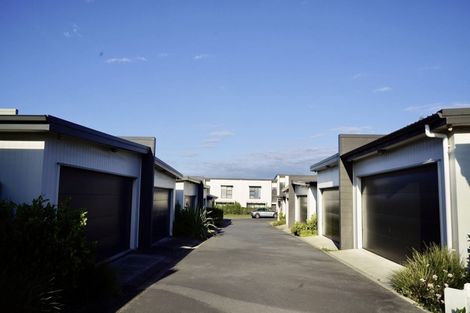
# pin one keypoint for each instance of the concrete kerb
(285, 229)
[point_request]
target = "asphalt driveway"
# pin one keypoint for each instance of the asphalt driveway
(253, 267)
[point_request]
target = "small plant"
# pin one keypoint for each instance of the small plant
(427, 273)
(305, 229)
(234, 208)
(217, 216)
(281, 220)
(194, 223)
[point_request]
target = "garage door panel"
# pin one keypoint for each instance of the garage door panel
(108, 201)
(161, 213)
(331, 213)
(400, 211)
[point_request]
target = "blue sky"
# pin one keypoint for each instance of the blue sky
(236, 88)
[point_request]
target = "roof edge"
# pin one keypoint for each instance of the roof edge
(167, 168)
(330, 161)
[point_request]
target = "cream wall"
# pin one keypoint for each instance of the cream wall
(241, 190)
(460, 162)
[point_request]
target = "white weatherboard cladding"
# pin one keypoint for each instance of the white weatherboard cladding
(190, 189)
(328, 178)
(461, 205)
(89, 156)
(162, 180)
(241, 190)
(21, 170)
(417, 153)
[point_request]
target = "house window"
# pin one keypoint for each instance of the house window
(226, 192)
(255, 192)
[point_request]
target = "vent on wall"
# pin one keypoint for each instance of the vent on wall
(8, 111)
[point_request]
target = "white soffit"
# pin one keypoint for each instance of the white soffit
(22, 145)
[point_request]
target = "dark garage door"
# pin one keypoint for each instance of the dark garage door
(108, 200)
(400, 211)
(303, 208)
(160, 213)
(331, 214)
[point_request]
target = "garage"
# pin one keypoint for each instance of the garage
(331, 213)
(400, 211)
(108, 200)
(303, 208)
(161, 213)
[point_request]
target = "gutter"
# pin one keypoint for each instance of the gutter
(445, 161)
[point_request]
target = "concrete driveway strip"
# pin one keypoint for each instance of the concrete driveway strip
(253, 267)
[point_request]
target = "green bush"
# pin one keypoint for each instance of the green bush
(46, 256)
(305, 229)
(193, 223)
(281, 220)
(217, 216)
(427, 273)
(234, 208)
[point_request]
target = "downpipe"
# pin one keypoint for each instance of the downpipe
(445, 164)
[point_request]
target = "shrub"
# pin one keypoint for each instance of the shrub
(234, 208)
(427, 273)
(193, 223)
(46, 256)
(217, 216)
(281, 221)
(305, 229)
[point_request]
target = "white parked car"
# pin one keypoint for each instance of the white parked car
(263, 212)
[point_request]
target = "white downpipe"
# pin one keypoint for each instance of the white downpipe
(445, 161)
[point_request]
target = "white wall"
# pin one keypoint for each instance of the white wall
(417, 153)
(461, 191)
(76, 153)
(21, 170)
(163, 180)
(312, 201)
(241, 190)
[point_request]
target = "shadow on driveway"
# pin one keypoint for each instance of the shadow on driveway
(138, 270)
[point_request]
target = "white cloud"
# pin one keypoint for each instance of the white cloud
(74, 31)
(383, 89)
(200, 57)
(352, 129)
(125, 60)
(262, 164)
(216, 137)
(358, 75)
(163, 55)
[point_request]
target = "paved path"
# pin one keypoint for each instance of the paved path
(253, 267)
